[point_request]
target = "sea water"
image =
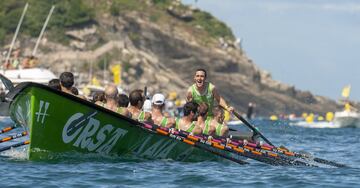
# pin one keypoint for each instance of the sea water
(91, 170)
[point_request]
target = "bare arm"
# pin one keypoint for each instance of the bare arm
(221, 101)
(212, 130)
(197, 130)
(171, 123)
(189, 96)
(224, 130)
(148, 117)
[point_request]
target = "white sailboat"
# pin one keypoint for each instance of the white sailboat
(39, 75)
(349, 117)
(33, 74)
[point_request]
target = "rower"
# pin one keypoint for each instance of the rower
(137, 99)
(66, 82)
(15, 61)
(74, 91)
(205, 92)
(99, 98)
(203, 121)
(123, 103)
(111, 93)
(217, 123)
(187, 123)
(158, 104)
(55, 84)
(349, 108)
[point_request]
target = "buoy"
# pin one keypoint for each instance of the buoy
(273, 118)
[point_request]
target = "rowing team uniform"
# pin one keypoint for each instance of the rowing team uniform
(207, 97)
(190, 129)
(218, 128)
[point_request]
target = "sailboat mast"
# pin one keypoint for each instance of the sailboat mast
(16, 32)
(43, 30)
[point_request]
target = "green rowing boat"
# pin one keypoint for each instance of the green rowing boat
(58, 122)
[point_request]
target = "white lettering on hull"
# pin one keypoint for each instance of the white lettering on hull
(88, 136)
(41, 114)
(159, 150)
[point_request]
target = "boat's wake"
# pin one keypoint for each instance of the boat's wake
(318, 125)
(16, 153)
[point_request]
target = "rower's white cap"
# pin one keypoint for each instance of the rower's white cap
(158, 99)
(147, 106)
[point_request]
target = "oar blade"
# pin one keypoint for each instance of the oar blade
(15, 145)
(7, 83)
(4, 104)
(330, 163)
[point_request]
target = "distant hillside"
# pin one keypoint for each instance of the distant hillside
(159, 44)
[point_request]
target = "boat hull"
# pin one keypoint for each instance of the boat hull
(60, 123)
(38, 75)
(347, 119)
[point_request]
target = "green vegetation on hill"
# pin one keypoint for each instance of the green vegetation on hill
(77, 13)
(205, 20)
(214, 27)
(158, 13)
(67, 13)
(118, 6)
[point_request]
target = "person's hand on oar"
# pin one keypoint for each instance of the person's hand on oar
(254, 129)
(230, 109)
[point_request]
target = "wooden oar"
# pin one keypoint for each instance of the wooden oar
(15, 145)
(7, 129)
(256, 131)
(4, 99)
(318, 160)
(331, 163)
(18, 135)
(7, 83)
(184, 138)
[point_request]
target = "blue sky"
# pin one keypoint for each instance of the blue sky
(311, 44)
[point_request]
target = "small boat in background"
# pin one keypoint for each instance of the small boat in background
(315, 124)
(350, 116)
(314, 121)
(347, 119)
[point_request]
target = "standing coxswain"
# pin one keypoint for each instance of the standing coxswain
(205, 92)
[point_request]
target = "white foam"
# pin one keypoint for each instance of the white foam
(17, 153)
(320, 124)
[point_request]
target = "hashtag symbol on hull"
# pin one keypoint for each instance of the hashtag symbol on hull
(42, 114)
